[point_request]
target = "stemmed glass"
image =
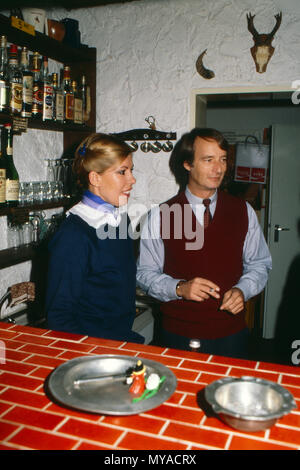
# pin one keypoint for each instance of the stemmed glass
(57, 170)
(50, 169)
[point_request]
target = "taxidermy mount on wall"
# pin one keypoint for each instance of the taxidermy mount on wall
(262, 50)
(204, 72)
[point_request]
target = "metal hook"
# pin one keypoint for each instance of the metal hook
(151, 122)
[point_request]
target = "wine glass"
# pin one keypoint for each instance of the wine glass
(50, 169)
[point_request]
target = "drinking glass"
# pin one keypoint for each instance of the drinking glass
(50, 172)
(13, 236)
(65, 176)
(48, 191)
(37, 192)
(22, 194)
(29, 192)
(57, 170)
(27, 231)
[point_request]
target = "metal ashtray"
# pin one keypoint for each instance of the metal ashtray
(249, 403)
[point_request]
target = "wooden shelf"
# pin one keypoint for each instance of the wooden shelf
(82, 61)
(66, 202)
(45, 45)
(49, 125)
(12, 256)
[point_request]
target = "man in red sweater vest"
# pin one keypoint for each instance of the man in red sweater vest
(204, 273)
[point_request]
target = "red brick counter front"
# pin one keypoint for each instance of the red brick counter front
(30, 420)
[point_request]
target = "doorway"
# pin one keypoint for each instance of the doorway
(237, 113)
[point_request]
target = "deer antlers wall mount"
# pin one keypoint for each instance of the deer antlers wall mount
(262, 50)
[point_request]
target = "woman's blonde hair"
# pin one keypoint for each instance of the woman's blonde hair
(98, 152)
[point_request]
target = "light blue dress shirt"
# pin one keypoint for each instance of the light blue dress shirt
(151, 279)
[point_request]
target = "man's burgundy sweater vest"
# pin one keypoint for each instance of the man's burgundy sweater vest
(219, 260)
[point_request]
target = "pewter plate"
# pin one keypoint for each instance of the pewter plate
(106, 397)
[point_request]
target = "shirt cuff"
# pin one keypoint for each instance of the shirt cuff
(242, 285)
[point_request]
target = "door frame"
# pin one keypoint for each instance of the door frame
(195, 93)
(200, 93)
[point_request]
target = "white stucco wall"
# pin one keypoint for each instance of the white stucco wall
(146, 54)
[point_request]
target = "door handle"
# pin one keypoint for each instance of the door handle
(277, 230)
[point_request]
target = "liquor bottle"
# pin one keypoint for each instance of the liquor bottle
(17, 13)
(12, 176)
(4, 83)
(2, 174)
(68, 96)
(78, 112)
(27, 84)
(47, 91)
(86, 99)
(58, 100)
(15, 79)
(37, 90)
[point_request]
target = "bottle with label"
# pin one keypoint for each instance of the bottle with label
(68, 96)
(4, 83)
(12, 176)
(58, 100)
(47, 91)
(15, 79)
(27, 84)
(78, 112)
(37, 90)
(86, 99)
(2, 173)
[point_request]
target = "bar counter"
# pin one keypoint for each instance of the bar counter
(29, 420)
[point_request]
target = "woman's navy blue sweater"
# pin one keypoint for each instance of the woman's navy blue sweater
(91, 283)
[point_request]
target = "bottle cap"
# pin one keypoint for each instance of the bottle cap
(13, 49)
(194, 344)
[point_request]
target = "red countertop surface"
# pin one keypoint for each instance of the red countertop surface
(30, 420)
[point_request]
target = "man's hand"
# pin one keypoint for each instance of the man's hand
(233, 301)
(197, 289)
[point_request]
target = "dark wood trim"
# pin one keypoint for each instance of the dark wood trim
(12, 256)
(81, 60)
(45, 45)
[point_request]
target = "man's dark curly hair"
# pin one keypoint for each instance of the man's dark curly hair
(184, 152)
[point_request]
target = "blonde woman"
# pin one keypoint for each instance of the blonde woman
(91, 278)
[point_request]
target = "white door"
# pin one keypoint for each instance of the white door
(283, 219)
